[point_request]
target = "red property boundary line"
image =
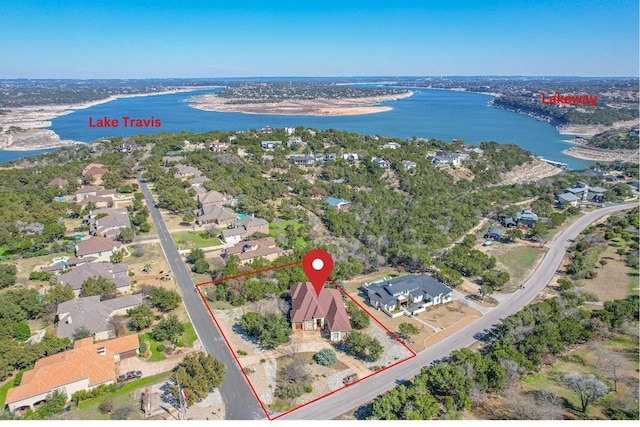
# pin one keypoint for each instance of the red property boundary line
(251, 273)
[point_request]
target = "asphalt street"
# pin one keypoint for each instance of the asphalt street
(360, 393)
(240, 402)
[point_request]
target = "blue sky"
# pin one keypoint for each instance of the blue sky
(127, 39)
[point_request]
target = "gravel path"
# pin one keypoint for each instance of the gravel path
(334, 381)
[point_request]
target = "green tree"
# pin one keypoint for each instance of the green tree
(362, 346)
(271, 330)
(195, 255)
(496, 279)
(358, 318)
(59, 293)
(407, 330)
(325, 357)
(168, 329)
(164, 299)
(140, 317)
(98, 285)
(198, 375)
(117, 256)
(126, 235)
(21, 331)
(200, 266)
(8, 274)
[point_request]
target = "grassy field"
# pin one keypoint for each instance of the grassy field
(518, 261)
(615, 280)
(194, 239)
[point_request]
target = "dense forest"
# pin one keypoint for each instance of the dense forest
(521, 344)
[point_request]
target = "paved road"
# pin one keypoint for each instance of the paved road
(240, 402)
(358, 394)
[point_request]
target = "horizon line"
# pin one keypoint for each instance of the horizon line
(331, 77)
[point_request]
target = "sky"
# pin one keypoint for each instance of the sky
(237, 38)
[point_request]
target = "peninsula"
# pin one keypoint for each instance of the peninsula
(300, 98)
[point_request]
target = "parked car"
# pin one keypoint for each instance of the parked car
(129, 376)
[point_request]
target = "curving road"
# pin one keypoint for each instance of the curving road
(367, 390)
(240, 402)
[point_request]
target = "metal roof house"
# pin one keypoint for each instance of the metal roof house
(339, 204)
(407, 294)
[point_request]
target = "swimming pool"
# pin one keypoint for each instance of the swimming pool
(242, 216)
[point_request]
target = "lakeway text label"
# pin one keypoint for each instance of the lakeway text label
(558, 98)
(127, 122)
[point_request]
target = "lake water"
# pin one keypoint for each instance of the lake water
(428, 114)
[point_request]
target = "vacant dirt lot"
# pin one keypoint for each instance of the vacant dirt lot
(613, 278)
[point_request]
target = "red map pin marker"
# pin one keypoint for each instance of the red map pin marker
(317, 265)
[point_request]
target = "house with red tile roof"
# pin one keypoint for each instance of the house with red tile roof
(325, 312)
(84, 367)
(95, 170)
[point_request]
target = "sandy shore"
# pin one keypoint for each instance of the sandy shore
(590, 130)
(600, 155)
(30, 121)
(319, 107)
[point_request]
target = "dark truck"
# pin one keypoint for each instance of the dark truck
(131, 375)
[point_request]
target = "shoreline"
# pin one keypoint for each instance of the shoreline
(32, 119)
(601, 155)
(325, 107)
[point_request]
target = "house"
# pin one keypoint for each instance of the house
(495, 234)
(84, 367)
(350, 157)
(568, 198)
(85, 191)
(198, 181)
(380, 162)
(288, 130)
(303, 160)
(408, 165)
(243, 228)
(270, 145)
(97, 201)
(340, 204)
(249, 250)
(596, 194)
(509, 222)
(447, 158)
(212, 198)
(580, 190)
(407, 294)
(107, 222)
(218, 147)
(391, 146)
(116, 273)
(215, 214)
(93, 315)
(95, 171)
(266, 129)
(186, 171)
(325, 312)
(58, 182)
(100, 247)
(294, 140)
(328, 157)
(526, 217)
